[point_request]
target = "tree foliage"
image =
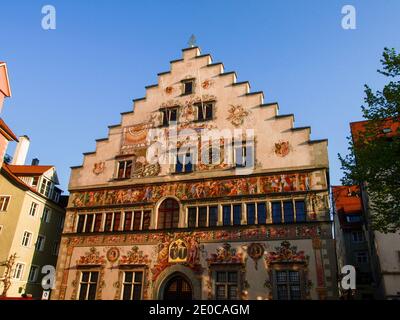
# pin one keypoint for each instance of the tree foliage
(374, 154)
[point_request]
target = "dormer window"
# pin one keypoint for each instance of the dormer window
(205, 111)
(169, 116)
(124, 169)
(45, 187)
(188, 86)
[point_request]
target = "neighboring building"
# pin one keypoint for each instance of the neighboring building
(351, 240)
(32, 213)
(6, 135)
(220, 219)
(384, 247)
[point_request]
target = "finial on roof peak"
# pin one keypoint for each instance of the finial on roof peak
(192, 41)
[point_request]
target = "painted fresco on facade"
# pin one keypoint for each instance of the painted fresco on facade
(195, 190)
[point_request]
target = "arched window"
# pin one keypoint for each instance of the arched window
(168, 214)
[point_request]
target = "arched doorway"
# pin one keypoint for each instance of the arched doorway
(168, 214)
(177, 288)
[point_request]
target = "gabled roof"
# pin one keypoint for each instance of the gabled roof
(6, 131)
(25, 170)
(7, 170)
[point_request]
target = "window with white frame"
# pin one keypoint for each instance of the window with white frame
(26, 239)
(227, 285)
(46, 214)
(4, 202)
(45, 187)
(35, 181)
(40, 243)
(357, 236)
(88, 285)
(132, 285)
(33, 209)
(33, 274)
(18, 271)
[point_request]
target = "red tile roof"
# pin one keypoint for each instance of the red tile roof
(6, 131)
(347, 199)
(359, 127)
(23, 170)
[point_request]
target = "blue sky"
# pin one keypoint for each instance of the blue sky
(69, 84)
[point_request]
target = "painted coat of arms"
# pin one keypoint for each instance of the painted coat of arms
(282, 148)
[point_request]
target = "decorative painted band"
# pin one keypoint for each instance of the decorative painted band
(196, 190)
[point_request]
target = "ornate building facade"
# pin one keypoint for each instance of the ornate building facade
(201, 192)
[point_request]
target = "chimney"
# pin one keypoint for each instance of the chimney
(35, 162)
(21, 151)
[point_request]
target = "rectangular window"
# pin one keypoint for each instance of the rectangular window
(244, 155)
(226, 215)
(117, 221)
(353, 218)
(357, 236)
(184, 162)
(56, 248)
(132, 285)
(251, 213)
(300, 211)
(261, 213)
(97, 222)
(45, 187)
(124, 169)
(88, 285)
(226, 285)
(26, 239)
(212, 216)
(146, 220)
(202, 216)
(61, 222)
(81, 223)
(18, 271)
(35, 181)
(169, 116)
(33, 274)
(362, 257)
(40, 243)
(4, 201)
(276, 212)
(46, 215)
(192, 217)
(237, 214)
(108, 224)
(204, 111)
(89, 223)
(128, 221)
(188, 87)
(288, 285)
(288, 211)
(33, 209)
(137, 219)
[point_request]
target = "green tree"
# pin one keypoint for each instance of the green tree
(374, 156)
